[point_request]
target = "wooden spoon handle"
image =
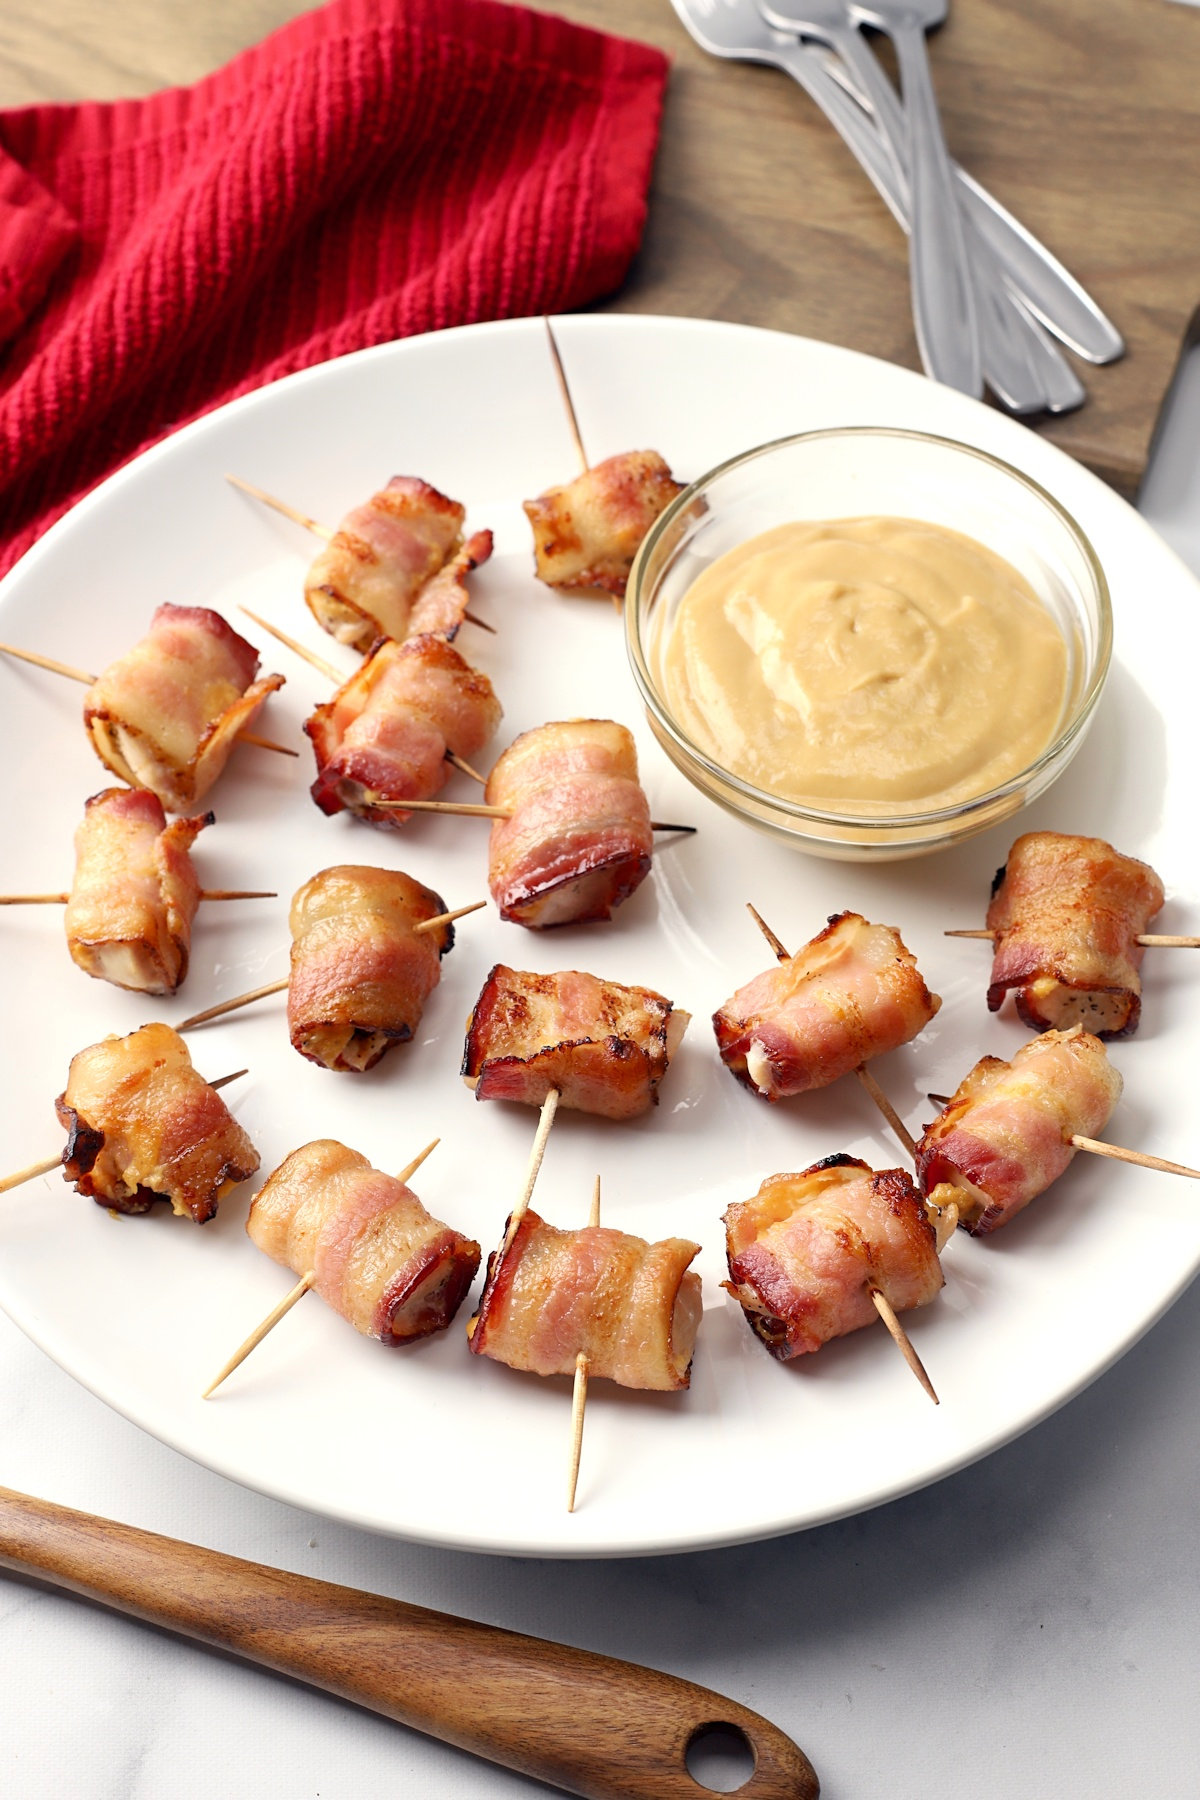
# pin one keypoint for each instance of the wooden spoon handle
(605, 1729)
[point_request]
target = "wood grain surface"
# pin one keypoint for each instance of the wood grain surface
(598, 1727)
(1083, 118)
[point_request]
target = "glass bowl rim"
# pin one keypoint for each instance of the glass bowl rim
(797, 811)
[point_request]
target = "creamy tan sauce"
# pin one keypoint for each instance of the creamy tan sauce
(875, 660)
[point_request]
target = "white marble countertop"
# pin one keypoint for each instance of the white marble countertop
(1027, 1627)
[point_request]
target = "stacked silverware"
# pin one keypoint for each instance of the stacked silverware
(988, 298)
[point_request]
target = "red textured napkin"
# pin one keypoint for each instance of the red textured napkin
(375, 169)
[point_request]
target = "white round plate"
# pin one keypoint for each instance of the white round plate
(429, 1442)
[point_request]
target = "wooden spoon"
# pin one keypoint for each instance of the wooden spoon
(605, 1729)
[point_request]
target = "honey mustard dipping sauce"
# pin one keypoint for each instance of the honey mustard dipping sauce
(882, 661)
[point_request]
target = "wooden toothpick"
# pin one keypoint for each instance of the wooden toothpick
(477, 809)
(28, 1174)
(564, 389)
(781, 951)
(579, 1392)
(289, 1300)
(448, 918)
(206, 894)
(325, 532)
(460, 762)
(887, 1109)
(1164, 941)
(545, 1121)
(281, 506)
(1117, 1152)
(81, 675)
(309, 656)
(900, 1337)
(55, 1162)
(215, 1012)
(48, 662)
(1133, 1156)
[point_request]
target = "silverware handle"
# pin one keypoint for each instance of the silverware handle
(1023, 369)
(943, 297)
(873, 150)
(589, 1724)
(1052, 292)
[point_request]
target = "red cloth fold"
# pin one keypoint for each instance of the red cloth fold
(375, 169)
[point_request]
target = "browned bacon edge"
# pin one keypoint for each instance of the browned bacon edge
(771, 1316)
(498, 1277)
(417, 1303)
(624, 1072)
(82, 1148)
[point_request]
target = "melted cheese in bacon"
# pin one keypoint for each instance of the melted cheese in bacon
(165, 715)
(807, 1251)
(852, 993)
(604, 1047)
(135, 892)
(382, 560)
(587, 533)
(142, 1126)
(380, 1260)
(360, 973)
(1006, 1133)
(1067, 913)
(578, 840)
(386, 731)
(631, 1307)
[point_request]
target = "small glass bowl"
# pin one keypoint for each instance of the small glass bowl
(846, 473)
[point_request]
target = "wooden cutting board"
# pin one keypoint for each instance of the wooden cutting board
(1082, 116)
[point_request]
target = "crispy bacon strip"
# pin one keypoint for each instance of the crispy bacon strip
(1067, 913)
(587, 533)
(852, 993)
(135, 892)
(806, 1252)
(441, 605)
(165, 715)
(360, 974)
(142, 1126)
(1006, 1133)
(386, 731)
(605, 1047)
(383, 559)
(578, 841)
(631, 1307)
(380, 1260)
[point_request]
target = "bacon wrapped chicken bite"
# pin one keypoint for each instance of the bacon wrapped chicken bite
(806, 1253)
(604, 1047)
(386, 732)
(587, 533)
(129, 916)
(396, 565)
(578, 838)
(852, 993)
(1067, 913)
(361, 972)
(380, 1260)
(1006, 1132)
(631, 1307)
(165, 715)
(142, 1126)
